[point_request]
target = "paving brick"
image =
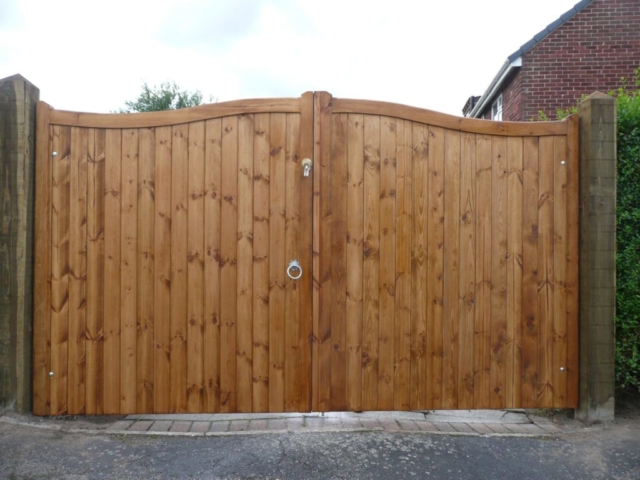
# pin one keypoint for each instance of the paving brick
(480, 428)
(372, 423)
(314, 423)
(180, 426)
(200, 427)
(462, 428)
(351, 423)
(140, 426)
(219, 426)
(426, 426)
(444, 427)
(516, 428)
(408, 425)
(549, 427)
(161, 426)
(277, 424)
(294, 424)
(497, 428)
(389, 425)
(533, 429)
(332, 422)
(121, 425)
(239, 426)
(257, 425)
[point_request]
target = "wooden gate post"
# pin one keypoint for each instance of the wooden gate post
(18, 98)
(597, 257)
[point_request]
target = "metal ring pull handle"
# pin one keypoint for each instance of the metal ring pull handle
(291, 269)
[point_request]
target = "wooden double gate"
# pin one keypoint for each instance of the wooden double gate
(438, 260)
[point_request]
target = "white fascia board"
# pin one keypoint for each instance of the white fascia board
(497, 82)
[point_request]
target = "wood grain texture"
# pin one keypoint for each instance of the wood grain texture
(229, 266)
(261, 261)
(42, 262)
(355, 241)
(112, 193)
(418, 393)
(212, 264)
(467, 281)
(129, 271)
(77, 270)
(482, 337)
(145, 324)
(451, 252)
(499, 340)
(195, 268)
(403, 225)
(277, 267)
(60, 271)
(387, 279)
(179, 265)
(244, 365)
(162, 271)
(371, 263)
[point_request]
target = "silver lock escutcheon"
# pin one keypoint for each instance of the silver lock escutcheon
(294, 266)
(306, 165)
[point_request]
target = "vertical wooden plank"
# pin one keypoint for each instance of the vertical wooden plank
(305, 149)
(387, 256)
(435, 262)
(244, 375)
(545, 274)
(212, 264)
(260, 192)
(323, 273)
(95, 270)
(229, 270)
(355, 240)
(451, 297)
(530, 235)
(559, 327)
(146, 272)
(77, 269)
(162, 272)
(499, 339)
(467, 267)
(418, 395)
(112, 229)
(60, 271)
(195, 268)
(482, 337)
(514, 272)
(129, 271)
(338, 306)
(371, 262)
(277, 265)
(403, 225)
(572, 281)
(293, 172)
(179, 252)
(42, 263)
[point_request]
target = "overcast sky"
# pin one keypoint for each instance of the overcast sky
(93, 56)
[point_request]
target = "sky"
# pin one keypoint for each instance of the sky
(93, 56)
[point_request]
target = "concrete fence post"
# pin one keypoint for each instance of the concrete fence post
(18, 99)
(597, 115)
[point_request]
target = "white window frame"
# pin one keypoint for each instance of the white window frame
(496, 109)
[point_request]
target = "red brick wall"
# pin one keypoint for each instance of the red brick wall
(592, 51)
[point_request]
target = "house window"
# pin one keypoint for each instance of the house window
(496, 109)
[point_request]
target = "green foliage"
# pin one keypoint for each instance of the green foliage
(628, 238)
(167, 96)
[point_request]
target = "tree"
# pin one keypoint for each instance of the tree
(167, 96)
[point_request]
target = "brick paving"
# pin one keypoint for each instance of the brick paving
(391, 422)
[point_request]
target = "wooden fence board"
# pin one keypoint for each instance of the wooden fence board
(195, 268)
(145, 324)
(162, 271)
(355, 240)
(403, 221)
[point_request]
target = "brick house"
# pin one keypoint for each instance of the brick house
(591, 47)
